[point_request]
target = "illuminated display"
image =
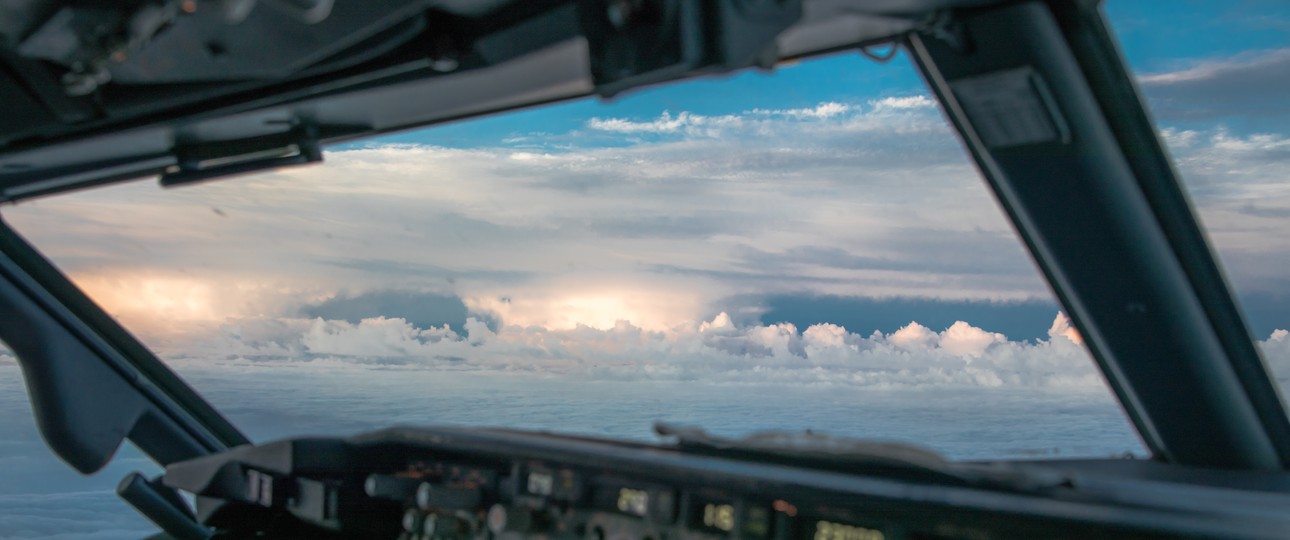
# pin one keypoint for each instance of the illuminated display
(540, 483)
(633, 501)
(827, 530)
(719, 516)
(756, 522)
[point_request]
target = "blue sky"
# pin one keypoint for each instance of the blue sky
(816, 229)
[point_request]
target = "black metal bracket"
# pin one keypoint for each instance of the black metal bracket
(201, 161)
(163, 506)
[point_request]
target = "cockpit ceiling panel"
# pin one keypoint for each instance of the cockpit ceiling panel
(129, 87)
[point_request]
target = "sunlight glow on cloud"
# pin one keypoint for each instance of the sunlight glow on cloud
(566, 304)
(1062, 327)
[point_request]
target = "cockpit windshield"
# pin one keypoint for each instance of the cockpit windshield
(804, 248)
(804, 252)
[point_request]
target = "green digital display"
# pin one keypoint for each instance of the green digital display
(633, 501)
(720, 517)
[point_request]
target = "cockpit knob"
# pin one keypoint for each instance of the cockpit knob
(502, 519)
(413, 521)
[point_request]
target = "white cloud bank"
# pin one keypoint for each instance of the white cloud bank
(716, 350)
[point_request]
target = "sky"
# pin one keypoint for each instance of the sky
(762, 250)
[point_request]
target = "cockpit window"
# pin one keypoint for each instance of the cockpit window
(808, 248)
(772, 251)
(1217, 96)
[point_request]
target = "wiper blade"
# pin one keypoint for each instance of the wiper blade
(881, 458)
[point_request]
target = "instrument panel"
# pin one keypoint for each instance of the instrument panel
(471, 484)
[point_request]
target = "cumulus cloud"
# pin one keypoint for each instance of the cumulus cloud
(913, 356)
(1276, 350)
(1062, 328)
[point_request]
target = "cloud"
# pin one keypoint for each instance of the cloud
(421, 309)
(1239, 184)
(905, 112)
(1276, 349)
(828, 109)
(556, 236)
(684, 122)
(1020, 319)
(91, 515)
(870, 199)
(1269, 63)
(333, 379)
(1250, 86)
(914, 356)
(896, 103)
(1062, 328)
(719, 349)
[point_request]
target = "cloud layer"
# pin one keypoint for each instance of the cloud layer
(823, 354)
(654, 221)
(1248, 87)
